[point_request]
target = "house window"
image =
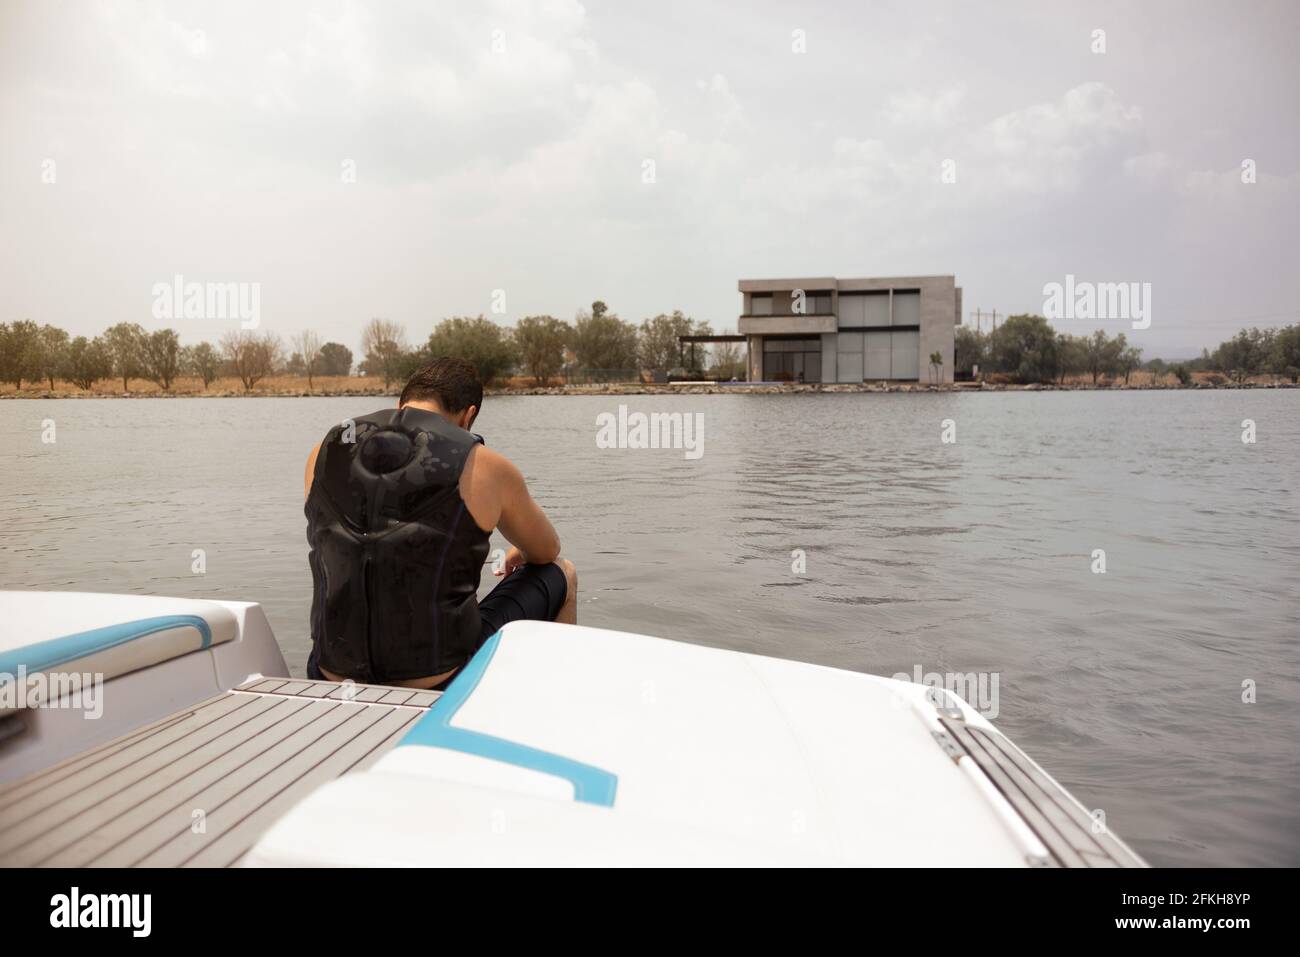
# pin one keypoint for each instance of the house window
(792, 360)
(877, 355)
(864, 310)
(760, 305)
(907, 308)
(819, 304)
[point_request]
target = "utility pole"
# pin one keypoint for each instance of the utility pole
(979, 316)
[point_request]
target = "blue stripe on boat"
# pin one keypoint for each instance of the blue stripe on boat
(591, 785)
(44, 655)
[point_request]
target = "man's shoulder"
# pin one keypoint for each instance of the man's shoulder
(492, 464)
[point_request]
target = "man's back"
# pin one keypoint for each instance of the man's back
(396, 554)
(400, 504)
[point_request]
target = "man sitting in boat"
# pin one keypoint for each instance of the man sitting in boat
(400, 505)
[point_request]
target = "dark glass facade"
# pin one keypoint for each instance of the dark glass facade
(792, 360)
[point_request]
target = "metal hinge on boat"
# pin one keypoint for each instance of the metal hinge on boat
(945, 703)
(950, 746)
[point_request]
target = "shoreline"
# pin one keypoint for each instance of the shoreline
(631, 388)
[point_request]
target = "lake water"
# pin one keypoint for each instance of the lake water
(974, 556)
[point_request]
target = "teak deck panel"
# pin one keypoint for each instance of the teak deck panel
(198, 787)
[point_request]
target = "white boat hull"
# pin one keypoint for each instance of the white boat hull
(556, 745)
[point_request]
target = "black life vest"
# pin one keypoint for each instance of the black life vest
(395, 555)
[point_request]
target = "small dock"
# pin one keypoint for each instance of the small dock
(199, 787)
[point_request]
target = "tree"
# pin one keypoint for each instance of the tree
(335, 359)
(1101, 353)
(203, 361)
(479, 341)
(603, 341)
(1284, 359)
(162, 357)
(382, 343)
(411, 362)
(20, 351)
(86, 362)
(1182, 374)
(540, 341)
(936, 366)
(695, 355)
(657, 345)
(1094, 354)
(1130, 358)
(126, 350)
(658, 341)
(309, 347)
(1244, 355)
(728, 362)
(969, 348)
(252, 356)
(52, 352)
(1025, 347)
(1071, 355)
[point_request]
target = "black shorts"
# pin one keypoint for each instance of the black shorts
(530, 593)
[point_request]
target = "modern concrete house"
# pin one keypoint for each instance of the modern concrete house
(822, 329)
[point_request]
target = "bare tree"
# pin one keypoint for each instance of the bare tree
(308, 345)
(729, 361)
(383, 343)
(252, 356)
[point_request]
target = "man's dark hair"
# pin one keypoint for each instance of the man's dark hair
(453, 383)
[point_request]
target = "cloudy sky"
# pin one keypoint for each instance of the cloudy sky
(507, 145)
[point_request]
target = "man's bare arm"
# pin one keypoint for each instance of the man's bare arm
(522, 520)
(311, 470)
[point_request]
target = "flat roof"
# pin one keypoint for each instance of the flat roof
(830, 282)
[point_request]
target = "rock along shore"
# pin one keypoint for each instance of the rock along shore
(632, 388)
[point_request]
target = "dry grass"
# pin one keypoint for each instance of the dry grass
(1140, 379)
(273, 385)
(228, 385)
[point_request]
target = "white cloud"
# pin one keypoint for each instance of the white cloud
(1056, 146)
(473, 163)
(1150, 167)
(725, 106)
(916, 109)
